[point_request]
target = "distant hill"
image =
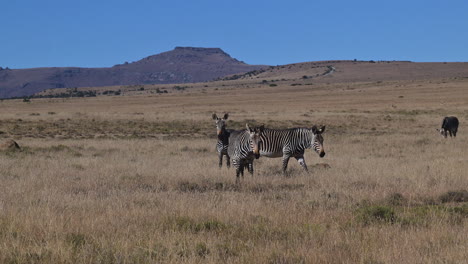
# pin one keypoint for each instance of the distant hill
(181, 65)
(343, 71)
(291, 75)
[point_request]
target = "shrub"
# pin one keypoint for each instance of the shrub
(454, 196)
(376, 214)
(396, 199)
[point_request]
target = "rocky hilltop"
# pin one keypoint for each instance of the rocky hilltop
(181, 65)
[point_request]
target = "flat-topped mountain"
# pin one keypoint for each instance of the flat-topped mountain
(181, 65)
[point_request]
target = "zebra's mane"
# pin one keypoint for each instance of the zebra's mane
(288, 129)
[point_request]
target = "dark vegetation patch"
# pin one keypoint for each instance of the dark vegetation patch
(454, 196)
(60, 149)
(375, 214)
(396, 209)
(195, 150)
(210, 185)
(205, 186)
(76, 240)
(396, 199)
(70, 92)
(187, 224)
(268, 187)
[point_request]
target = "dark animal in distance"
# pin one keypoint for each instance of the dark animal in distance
(450, 125)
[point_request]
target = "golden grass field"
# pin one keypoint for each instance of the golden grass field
(134, 179)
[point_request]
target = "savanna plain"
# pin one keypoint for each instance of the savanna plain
(135, 179)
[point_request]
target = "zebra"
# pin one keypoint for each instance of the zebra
(223, 139)
(291, 142)
(244, 146)
(450, 124)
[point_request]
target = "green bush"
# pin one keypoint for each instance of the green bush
(376, 214)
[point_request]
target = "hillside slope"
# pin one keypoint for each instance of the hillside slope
(358, 71)
(181, 65)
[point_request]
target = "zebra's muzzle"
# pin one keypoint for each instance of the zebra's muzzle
(322, 154)
(257, 156)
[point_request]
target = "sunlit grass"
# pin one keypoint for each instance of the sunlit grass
(147, 189)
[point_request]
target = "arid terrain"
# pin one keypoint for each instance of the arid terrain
(180, 65)
(134, 178)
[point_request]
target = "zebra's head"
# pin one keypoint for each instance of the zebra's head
(255, 141)
(220, 123)
(317, 140)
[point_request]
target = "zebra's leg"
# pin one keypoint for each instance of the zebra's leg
(250, 167)
(285, 163)
(302, 162)
(228, 161)
(237, 174)
(241, 168)
(238, 169)
(220, 156)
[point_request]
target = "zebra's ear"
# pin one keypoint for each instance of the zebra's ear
(314, 129)
(226, 115)
(247, 127)
(262, 127)
(214, 116)
(322, 129)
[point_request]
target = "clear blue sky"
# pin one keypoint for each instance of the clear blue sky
(101, 33)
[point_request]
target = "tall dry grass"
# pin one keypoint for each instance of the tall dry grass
(140, 188)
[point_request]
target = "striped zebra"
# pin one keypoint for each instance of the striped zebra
(223, 139)
(292, 142)
(244, 146)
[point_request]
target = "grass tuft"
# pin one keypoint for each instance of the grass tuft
(202, 250)
(187, 224)
(76, 240)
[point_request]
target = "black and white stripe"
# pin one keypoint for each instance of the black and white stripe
(293, 142)
(244, 147)
(223, 139)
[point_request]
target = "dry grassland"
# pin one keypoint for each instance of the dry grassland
(135, 179)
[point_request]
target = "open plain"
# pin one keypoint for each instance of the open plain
(134, 178)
